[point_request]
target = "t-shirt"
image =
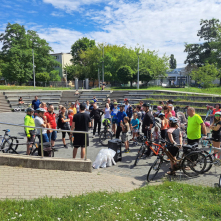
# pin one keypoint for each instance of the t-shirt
(36, 104)
(38, 122)
(214, 111)
(194, 127)
(20, 99)
(126, 106)
(173, 113)
(135, 122)
(114, 112)
(81, 121)
(139, 116)
(147, 120)
(97, 113)
(63, 125)
(77, 107)
(120, 117)
(71, 119)
(216, 132)
(51, 119)
(74, 110)
(107, 113)
(87, 109)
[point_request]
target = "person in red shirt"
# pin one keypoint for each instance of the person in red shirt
(216, 109)
(70, 116)
(51, 119)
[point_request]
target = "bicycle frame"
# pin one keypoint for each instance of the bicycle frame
(148, 144)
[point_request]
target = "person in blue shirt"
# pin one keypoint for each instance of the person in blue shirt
(120, 118)
(36, 103)
(114, 112)
(134, 126)
(95, 99)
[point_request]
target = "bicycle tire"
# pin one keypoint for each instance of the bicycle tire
(209, 161)
(104, 137)
(154, 169)
(8, 142)
(139, 154)
(193, 164)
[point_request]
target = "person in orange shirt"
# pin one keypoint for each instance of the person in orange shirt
(73, 108)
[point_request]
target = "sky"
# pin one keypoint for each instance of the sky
(160, 25)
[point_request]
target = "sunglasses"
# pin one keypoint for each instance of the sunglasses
(217, 115)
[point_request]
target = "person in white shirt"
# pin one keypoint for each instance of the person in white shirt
(126, 104)
(107, 114)
(87, 107)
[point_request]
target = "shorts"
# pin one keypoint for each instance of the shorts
(191, 142)
(135, 130)
(216, 137)
(173, 150)
(124, 137)
(52, 135)
(64, 133)
(79, 140)
(114, 121)
(31, 139)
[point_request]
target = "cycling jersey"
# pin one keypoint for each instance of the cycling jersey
(29, 121)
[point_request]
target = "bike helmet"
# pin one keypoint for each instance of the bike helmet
(161, 115)
(173, 120)
(40, 110)
(92, 101)
(125, 99)
(29, 109)
(146, 105)
(207, 124)
(159, 108)
(218, 113)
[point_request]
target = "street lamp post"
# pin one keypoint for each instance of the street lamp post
(103, 68)
(138, 73)
(98, 78)
(66, 79)
(33, 66)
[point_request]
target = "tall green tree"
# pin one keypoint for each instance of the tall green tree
(80, 45)
(125, 74)
(16, 54)
(199, 54)
(172, 62)
(205, 75)
(42, 77)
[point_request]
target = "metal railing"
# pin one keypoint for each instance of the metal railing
(59, 130)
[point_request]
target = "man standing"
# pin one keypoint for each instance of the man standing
(120, 119)
(81, 122)
(126, 104)
(194, 125)
(51, 119)
(147, 121)
(96, 113)
(110, 104)
(29, 121)
(36, 103)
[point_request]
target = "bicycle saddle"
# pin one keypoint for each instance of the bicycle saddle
(7, 130)
(17, 137)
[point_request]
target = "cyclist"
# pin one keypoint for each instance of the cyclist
(29, 121)
(147, 121)
(164, 125)
(216, 128)
(216, 109)
(114, 117)
(194, 125)
(173, 136)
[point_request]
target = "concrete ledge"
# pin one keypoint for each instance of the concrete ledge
(50, 163)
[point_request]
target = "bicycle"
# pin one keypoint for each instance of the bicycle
(105, 135)
(7, 140)
(146, 148)
(191, 164)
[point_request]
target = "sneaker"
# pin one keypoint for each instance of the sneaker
(66, 146)
(93, 136)
(126, 150)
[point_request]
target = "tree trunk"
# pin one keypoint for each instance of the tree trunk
(131, 82)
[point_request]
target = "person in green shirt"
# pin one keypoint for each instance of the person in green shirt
(29, 121)
(194, 126)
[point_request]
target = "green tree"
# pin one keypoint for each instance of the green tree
(42, 77)
(205, 75)
(172, 62)
(199, 54)
(54, 75)
(125, 74)
(80, 45)
(16, 54)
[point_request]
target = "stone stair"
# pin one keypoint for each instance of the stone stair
(4, 105)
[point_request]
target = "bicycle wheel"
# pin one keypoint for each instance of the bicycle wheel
(6, 144)
(154, 169)
(193, 164)
(140, 154)
(104, 137)
(209, 161)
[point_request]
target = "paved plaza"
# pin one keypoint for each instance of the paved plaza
(25, 183)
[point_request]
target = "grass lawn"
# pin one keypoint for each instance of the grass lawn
(5, 87)
(170, 201)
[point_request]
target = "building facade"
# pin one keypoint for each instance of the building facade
(64, 59)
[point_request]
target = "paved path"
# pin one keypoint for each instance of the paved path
(24, 183)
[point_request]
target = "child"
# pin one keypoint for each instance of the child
(134, 126)
(156, 135)
(125, 128)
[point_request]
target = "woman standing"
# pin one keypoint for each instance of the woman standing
(107, 111)
(167, 112)
(77, 106)
(216, 127)
(63, 124)
(164, 125)
(173, 136)
(216, 109)
(87, 111)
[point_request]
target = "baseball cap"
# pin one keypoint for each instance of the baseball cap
(72, 103)
(82, 106)
(115, 103)
(125, 99)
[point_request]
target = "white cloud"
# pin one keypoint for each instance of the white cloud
(57, 14)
